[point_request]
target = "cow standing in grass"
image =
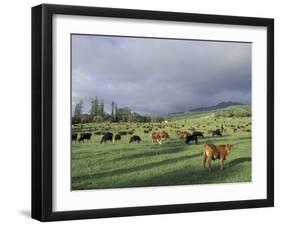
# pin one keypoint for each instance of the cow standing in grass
(216, 132)
(191, 138)
(158, 137)
(107, 137)
(183, 134)
(135, 138)
(198, 134)
(117, 137)
(85, 136)
(213, 152)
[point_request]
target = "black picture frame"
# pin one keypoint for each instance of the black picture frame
(42, 111)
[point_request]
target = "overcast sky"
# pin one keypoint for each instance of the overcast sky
(159, 76)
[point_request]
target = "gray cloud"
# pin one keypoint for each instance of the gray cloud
(159, 76)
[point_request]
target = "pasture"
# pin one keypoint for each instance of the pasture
(119, 165)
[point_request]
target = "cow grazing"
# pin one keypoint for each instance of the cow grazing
(135, 138)
(117, 137)
(191, 138)
(158, 137)
(216, 132)
(213, 152)
(183, 134)
(198, 134)
(131, 132)
(85, 136)
(107, 137)
(74, 137)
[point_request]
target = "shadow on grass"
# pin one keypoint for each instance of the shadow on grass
(233, 141)
(193, 176)
(97, 154)
(132, 169)
(238, 161)
(157, 151)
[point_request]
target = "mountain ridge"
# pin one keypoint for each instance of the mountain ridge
(220, 105)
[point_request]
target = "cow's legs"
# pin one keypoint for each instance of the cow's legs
(204, 161)
(209, 163)
(222, 164)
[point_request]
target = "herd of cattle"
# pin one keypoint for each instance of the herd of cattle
(211, 151)
(156, 136)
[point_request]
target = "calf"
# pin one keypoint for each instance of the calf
(159, 137)
(107, 137)
(198, 134)
(191, 138)
(216, 132)
(117, 137)
(213, 152)
(135, 138)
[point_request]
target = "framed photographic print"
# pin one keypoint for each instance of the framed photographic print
(140, 112)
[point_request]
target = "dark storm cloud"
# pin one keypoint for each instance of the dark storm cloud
(159, 76)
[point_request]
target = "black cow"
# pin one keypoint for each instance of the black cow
(117, 137)
(198, 134)
(146, 131)
(85, 136)
(74, 137)
(107, 136)
(135, 138)
(191, 138)
(216, 132)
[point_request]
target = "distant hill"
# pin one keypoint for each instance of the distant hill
(218, 106)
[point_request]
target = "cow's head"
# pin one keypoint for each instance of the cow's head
(229, 147)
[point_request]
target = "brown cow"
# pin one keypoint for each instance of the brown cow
(183, 134)
(159, 137)
(213, 152)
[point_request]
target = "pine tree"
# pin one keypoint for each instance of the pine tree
(112, 111)
(116, 117)
(101, 109)
(78, 108)
(95, 106)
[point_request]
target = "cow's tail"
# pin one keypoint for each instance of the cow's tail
(204, 156)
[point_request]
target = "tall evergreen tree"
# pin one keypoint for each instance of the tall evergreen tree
(95, 106)
(78, 108)
(112, 111)
(116, 117)
(101, 109)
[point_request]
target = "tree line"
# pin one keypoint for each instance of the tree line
(97, 113)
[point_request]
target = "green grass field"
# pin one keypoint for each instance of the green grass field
(119, 165)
